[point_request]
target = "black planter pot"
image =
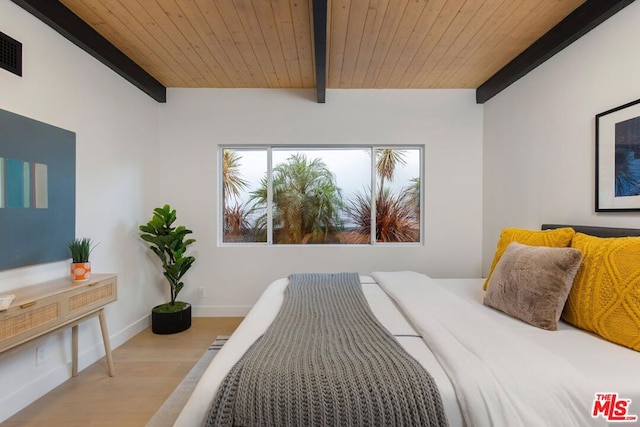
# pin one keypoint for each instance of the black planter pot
(171, 323)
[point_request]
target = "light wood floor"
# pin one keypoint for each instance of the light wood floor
(148, 368)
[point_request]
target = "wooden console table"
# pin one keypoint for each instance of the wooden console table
(58, 304)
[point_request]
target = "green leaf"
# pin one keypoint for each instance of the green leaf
(81, 249)
(169, 244)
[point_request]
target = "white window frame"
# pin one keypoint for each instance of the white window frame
(269, 151)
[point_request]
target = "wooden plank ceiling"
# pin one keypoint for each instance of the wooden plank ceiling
(370, 43)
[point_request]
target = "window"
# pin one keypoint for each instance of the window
(321, 195)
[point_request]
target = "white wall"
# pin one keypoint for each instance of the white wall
(539, 134)
(447, 122)
(116, 129)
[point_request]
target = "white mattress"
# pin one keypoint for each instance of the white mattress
(616, 367)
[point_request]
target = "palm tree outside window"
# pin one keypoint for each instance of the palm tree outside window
(321, 195)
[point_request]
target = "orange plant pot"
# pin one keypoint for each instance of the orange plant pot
(80, 271)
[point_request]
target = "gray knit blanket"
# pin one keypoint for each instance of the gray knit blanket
(326, 361)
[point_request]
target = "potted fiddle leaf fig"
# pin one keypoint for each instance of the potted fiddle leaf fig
(170, 244)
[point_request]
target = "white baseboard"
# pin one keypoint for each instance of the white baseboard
(61, 372)
(220, 310)
(32, 391)
(96, 352)
(130, 331)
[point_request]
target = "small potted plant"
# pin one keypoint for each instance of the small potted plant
(169, 243)
(80, 265)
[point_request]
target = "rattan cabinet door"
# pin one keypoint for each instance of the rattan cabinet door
(90, 297)
(24, 322)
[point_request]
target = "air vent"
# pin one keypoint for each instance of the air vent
(10, 54)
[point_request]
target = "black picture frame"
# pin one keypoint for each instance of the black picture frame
(617, 163)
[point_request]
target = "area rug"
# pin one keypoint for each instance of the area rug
(171, 408)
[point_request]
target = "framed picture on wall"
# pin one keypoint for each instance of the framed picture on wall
(37, 191)
(618, 159)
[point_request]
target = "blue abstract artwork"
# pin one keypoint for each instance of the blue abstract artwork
(37, 191)
(627, 158)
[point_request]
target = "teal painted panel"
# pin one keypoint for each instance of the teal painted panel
(15, 183)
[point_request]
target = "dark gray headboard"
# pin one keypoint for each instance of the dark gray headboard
(596, 231)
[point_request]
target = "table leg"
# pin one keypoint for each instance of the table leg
(107, 344)
(74, 350)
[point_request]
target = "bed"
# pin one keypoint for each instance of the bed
(490, 369)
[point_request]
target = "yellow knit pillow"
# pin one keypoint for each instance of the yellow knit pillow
(605, 297)
(558, 238)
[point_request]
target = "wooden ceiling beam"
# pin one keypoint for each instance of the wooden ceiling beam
(579, 22)
(320, 47)
(61, 19)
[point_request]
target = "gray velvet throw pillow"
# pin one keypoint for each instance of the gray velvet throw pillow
(532, 283)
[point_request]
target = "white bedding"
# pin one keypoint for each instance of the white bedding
(574, 354)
